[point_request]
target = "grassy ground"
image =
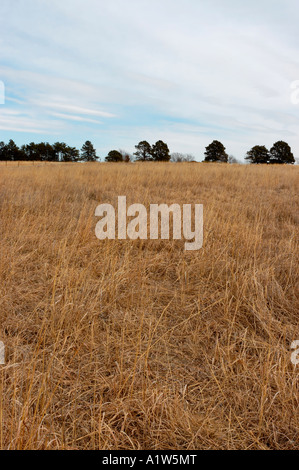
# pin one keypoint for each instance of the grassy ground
(141, 345)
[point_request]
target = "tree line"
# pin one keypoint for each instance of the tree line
(45, 152)
(280, 153)
(159, 152)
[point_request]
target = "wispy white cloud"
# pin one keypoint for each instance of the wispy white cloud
(72, 108)
(72, 117)
(13, 122)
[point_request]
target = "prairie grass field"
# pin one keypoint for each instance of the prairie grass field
(130, 345)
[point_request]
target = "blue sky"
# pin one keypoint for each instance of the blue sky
(118, 72)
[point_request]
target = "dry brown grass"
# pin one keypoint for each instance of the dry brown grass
(141, 345)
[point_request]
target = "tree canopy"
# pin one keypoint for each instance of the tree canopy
(114, 156)
(88, 153)
(281, 153)
(258, 154)
(143, 152)
(215, 152)
(160, 152)
(10, 151)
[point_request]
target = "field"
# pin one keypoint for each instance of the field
(140, 344)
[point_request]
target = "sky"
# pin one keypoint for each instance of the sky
(121, 71)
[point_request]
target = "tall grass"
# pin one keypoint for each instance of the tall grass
(139, 344)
